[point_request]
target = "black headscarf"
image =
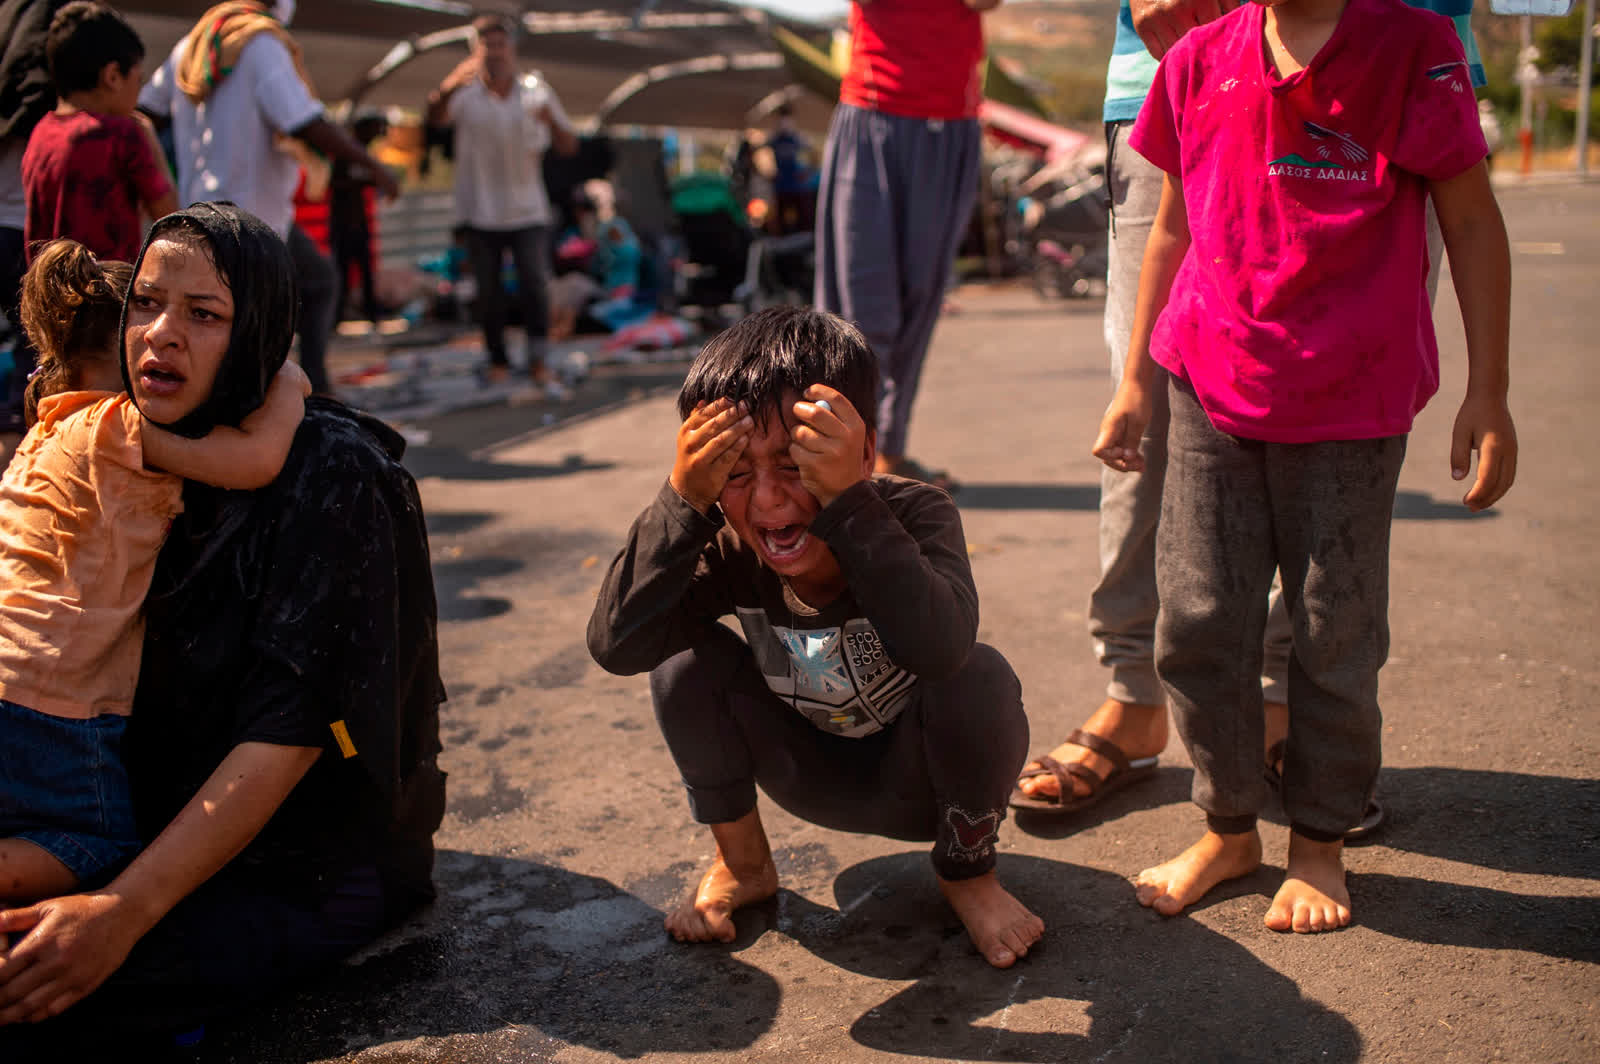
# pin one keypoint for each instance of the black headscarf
(255, 265)
(310, 599)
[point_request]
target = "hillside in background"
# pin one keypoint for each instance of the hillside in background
(1061, 47)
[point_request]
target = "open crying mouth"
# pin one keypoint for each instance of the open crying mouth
(160, 375)
(784, 542)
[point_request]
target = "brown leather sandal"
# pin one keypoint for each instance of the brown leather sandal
(1123, 772)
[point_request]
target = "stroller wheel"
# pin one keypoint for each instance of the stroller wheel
(1049, 280)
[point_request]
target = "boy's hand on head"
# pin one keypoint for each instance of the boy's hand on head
(829, 445)
(710, 441)
(1484, 425)
(1122, 429)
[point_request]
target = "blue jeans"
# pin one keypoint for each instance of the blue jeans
(63, 787)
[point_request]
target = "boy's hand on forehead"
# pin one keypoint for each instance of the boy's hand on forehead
(710, 441)
(828, 443)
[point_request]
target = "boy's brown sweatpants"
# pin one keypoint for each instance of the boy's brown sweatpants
(1233, 510)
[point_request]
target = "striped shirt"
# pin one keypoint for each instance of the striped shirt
(1133, 69)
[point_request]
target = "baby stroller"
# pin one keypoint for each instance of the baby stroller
(716, 238)
(1065, 214)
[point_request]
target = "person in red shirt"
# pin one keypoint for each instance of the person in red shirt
(899, 180)
(90, 165)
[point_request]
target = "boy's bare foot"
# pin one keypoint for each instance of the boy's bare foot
(707, 916)
(742, 874)
(1313, 896)
(1140, 730)
(1174, 886)
(1001, 926)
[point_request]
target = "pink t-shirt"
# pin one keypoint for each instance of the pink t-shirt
(1301, 313)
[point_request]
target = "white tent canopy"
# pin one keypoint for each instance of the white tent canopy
(688, 63)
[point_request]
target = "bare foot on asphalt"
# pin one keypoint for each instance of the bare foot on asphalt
(1313, 896)
(1140, 730)
(1174, 886)
(707, 915)
(1001, 927)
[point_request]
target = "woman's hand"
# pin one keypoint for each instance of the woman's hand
(710, 441)
(828, 443)
(71, 945)
(1122, 429)
(63, 948)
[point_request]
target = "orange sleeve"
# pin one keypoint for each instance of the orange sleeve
(118, 433)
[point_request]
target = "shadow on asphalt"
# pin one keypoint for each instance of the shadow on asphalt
(1509, 821)
(972, 496)
(1504, 821)
(558, 957)
(1453, 914)
(454, 582)
(1419, 506)
(452, 523)
(1109, 981)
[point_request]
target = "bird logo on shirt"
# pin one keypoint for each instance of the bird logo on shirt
(1331, 140)
(1446, 73)
(1348, 166)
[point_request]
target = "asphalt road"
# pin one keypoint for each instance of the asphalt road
(1477, 928)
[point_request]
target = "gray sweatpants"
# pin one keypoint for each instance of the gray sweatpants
(895, 198)
(1234, 510)
(1123, 605)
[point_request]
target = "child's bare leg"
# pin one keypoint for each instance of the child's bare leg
(1174, 886)
(1001, 926)
(741, 874)
(1313, 896)
(28, 873)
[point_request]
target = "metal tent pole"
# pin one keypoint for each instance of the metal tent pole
(1585, 86)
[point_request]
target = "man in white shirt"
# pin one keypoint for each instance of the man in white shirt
(504, 123)
(227, 148)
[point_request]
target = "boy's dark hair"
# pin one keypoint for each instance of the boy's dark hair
(85, 36)
(784, 349)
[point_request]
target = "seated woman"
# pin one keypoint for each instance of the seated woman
(600, 285)
(283, 741)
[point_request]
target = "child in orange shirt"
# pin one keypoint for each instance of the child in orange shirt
(84, 508)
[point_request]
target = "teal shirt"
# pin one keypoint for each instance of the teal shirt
(1133, 69)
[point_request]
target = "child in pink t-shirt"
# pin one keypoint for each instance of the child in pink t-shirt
(1282, 304)
(84, 507)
